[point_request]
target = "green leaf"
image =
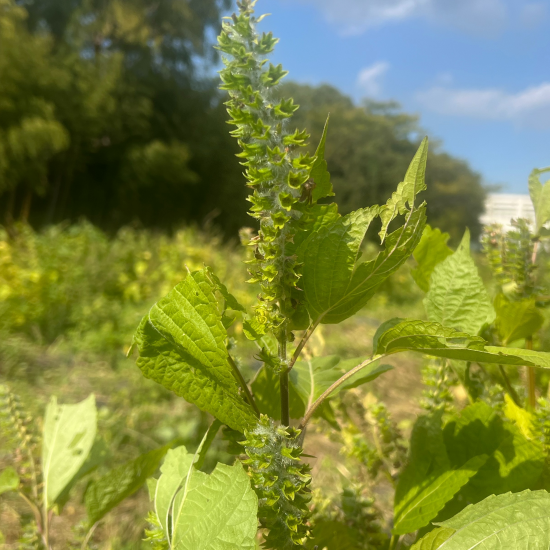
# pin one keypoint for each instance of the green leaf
(68, 436)
(518, 521)
(198, 511)
(98, 454)
(9, 480)
(253, 329)
(206, 443)
(428, 482)
(540, 196)
(174, 472)
(335, 284)
(312, 378)
(230, 301)
(424, 501)
(515, 463)
(522, 418)
(335, 534)
(457, 297)
(103, 494)
(516, 320)
(431, 251)
(434, 339)
(433, 540)
(182, 345)
(319, 172)
(407, 190)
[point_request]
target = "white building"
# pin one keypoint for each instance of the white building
(502, 208)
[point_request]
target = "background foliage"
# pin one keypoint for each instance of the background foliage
(110, 110)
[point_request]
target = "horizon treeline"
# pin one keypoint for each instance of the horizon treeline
(110, 111)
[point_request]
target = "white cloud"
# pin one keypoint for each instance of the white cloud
(529, 107)
(355, 16)
(369, 79)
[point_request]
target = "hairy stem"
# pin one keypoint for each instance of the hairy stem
(244, 385)
(511, 391)
(334, 386)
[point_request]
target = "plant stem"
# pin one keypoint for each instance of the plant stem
(243, 384)
(283, 384)
(334, 386)
(511, 391)
(531, 381)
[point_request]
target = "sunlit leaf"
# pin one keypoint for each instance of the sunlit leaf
(457, 297)
(431, 251)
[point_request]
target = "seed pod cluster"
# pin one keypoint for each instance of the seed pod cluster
(276, 171)
(281, 481)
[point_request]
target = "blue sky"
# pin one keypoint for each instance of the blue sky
(477, 72)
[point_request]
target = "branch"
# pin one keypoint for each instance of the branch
(243, 384)
(336, 385)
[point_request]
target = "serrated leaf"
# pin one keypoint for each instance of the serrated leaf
(434, 539)
(319, 171)
(9, 480)
(431, 251)
(457, 297)
(335, 283)
(253, 329)
(312, 378)
(436, 340)
(201, 512)
(516, 320)
(518, 521)
(68, 435)
(407, 190)
(107, 492)
(540, 196)
(182, 346)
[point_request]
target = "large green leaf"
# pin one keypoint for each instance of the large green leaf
(519, 521)
(516, 320)
(434, 339)
(540, 196)
(431, 251)
(424, 501)
(201, 512)
(182, 346)
(335, 283)
(407, 190)
(457, 297)
(428, 481)
(515, 462)
(68, 436)
(9, 480)
(103, 494)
